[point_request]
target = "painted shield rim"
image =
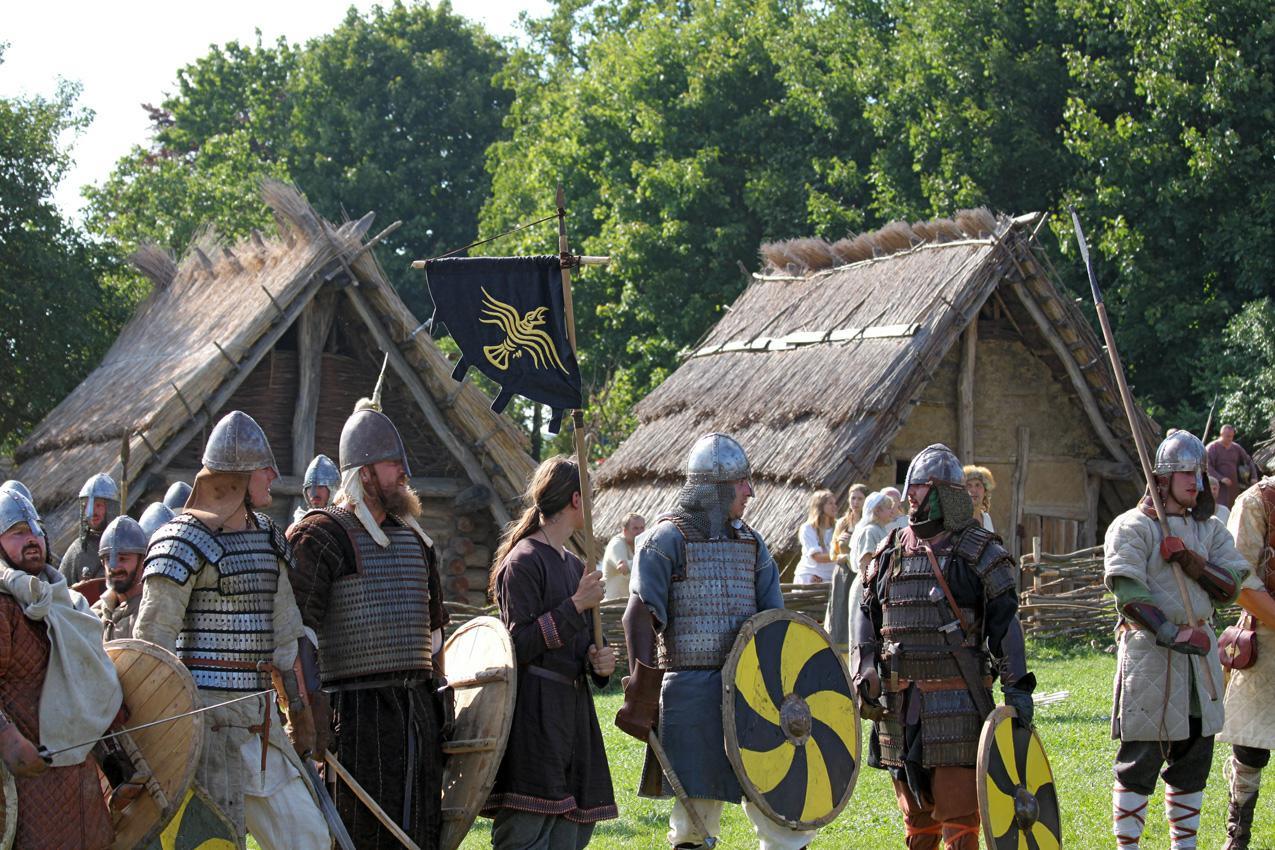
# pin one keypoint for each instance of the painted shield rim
(986, 743)
(468, 813)
(197, 728)
(746, 632)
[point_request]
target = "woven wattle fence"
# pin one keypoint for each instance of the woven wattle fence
(1063, 595)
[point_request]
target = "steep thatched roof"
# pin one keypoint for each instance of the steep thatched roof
(208, 322)
(818, 363)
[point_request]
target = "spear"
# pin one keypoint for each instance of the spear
(1208, 426)
(1139, 440)
(577, 416)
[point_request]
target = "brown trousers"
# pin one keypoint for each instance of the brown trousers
(951, 817)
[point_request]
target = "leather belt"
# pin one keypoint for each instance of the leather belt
(227, 664)
(366, 685)
(952, 683)
(560, 678)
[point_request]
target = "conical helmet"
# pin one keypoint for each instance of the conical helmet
(16, 508)
(368, 437)
(16, 485)
(124, 535)
(238, 444)
(100, 487)
(155, 515)
(176, 496)
(321, 472)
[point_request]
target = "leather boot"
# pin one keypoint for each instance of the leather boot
(1239, 824)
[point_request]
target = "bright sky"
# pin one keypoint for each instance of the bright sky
(127, 53)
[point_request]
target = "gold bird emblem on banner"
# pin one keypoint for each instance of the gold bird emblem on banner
(522, 334)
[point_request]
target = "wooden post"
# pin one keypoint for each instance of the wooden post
(577, 416)
(1036, 562)
(965, 393)
(1019, 495)
(312, 332)
(1092, 485)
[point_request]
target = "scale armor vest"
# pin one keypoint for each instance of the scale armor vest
(378, 618)
(918, 652)
(233, 620)
(711, 601)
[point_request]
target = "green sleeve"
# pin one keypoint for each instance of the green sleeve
(1129, 590)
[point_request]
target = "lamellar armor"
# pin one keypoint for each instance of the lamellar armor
(228, 628)
(915, 650)
(378, 618)
(710, 601)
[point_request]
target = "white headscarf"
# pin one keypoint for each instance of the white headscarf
(352, 496)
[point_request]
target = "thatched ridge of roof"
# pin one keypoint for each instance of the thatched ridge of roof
(168, 370)
(804, 255)
(815, 372)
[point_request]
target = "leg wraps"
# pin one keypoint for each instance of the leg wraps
(1183, 811)
(1129, 816)
(961, 834)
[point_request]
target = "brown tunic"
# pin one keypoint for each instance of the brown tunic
(63, 807)
(117, 614)
(555, 762)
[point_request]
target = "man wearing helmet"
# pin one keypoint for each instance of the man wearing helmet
(176, 495)
(156, 515)
(1168, 700)
(121, 550)
(215, 591)
(366, 579)
(942, 574)
(57, 688)
(320, 482)
(99, 504)
(699, 574)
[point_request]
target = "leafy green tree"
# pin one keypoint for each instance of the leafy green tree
(392, 111)
(58, 320)
(685, 134)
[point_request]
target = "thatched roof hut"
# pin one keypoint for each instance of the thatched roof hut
(291, 329)
(840, 361)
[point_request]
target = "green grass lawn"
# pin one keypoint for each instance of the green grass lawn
(1076, 735)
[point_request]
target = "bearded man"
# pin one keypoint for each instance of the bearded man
(121, 550)
(943, 575)
(320, 482)
(57, 688)
(99, 504)
(1168, 698)
(366, 579)
(215, 591)
(698, 576)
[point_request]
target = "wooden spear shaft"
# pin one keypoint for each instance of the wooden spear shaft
(577, 416)
(1144, 455)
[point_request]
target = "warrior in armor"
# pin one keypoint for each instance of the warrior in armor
(215, 591)
(938, 615)
(699, 574)
(176, 495)
(554, 783)
(320, 482)
(1168, 699)
(99, 504)
(156, 515)
(57, 687)
(366, 580)
(121, 550)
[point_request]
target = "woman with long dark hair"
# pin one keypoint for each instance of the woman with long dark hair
(554, 783)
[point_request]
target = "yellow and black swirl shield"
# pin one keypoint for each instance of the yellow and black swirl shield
(1017, 798)
(792, 731)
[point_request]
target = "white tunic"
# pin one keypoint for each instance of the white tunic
(1250, 722)
(1153, 684)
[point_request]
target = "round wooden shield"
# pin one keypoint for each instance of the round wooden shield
(156, 686)
(484, 675)
(198, 823)
(1017, 799)
(789, 718)
(8, 808)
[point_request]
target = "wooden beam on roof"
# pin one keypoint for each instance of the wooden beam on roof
(313, 327)
(1083, 390)
(965, 393)
(433, 415)
(197, 422)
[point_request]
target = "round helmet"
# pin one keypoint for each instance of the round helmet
(18, 487)
(716, 459)
(155, 515)
(935, 464)
(1181, 451)
(16, 508)
(178, 493)
(369, 437)
(237, 444)
(123, 536)
(321, 472)
(100, 487)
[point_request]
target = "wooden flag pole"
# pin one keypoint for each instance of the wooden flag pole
(577, 416)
